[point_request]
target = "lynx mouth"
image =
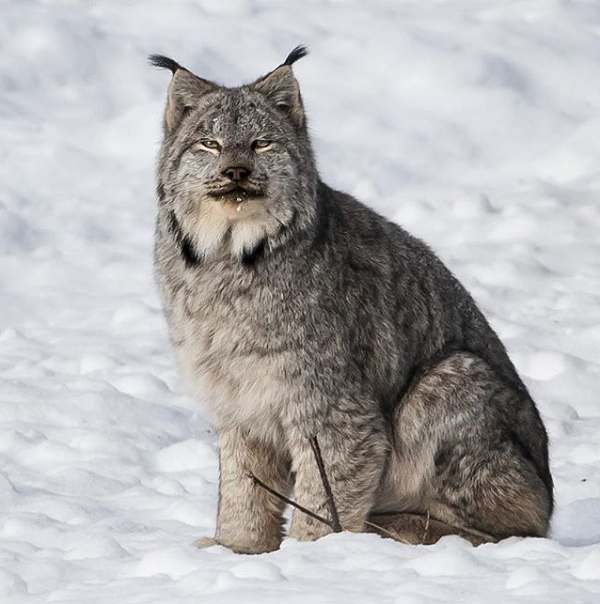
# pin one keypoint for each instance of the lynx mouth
(236, 194)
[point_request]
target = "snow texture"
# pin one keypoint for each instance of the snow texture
(474, 124)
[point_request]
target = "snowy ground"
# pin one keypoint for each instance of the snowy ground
(475, 124)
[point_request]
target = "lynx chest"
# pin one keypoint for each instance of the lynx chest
(236, 343)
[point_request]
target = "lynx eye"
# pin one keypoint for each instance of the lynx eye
(206, 144)
(261, 144)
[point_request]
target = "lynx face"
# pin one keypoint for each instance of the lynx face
(236, 162)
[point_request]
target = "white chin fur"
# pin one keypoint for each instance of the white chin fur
(217, 228)
(246, 236)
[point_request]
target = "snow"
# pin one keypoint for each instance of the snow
(473, 124)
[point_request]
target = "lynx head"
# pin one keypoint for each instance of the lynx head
(236, 169)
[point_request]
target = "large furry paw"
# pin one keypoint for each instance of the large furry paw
(261, 547)
(304, 528)
(205, 542)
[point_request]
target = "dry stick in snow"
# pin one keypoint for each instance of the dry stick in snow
(426, 529)
(312, 514)
(334, 523)
(335, 519)
(291, 502)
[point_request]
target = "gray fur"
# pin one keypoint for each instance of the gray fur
(295, 310)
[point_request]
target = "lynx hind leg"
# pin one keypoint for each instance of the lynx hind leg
(455, 452)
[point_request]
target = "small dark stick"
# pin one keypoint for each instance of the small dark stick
(426, 529)
(335, 519)
(289, 501)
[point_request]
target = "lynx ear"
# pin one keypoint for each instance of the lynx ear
(184, 91)
(282, 89)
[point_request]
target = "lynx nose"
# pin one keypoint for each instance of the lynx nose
(236, 173)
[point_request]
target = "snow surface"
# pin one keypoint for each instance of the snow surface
(474, 124)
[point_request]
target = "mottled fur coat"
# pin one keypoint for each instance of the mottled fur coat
(297, 311)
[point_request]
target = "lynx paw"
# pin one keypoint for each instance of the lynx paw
(261, 547)
(205, 542)
(306, 529)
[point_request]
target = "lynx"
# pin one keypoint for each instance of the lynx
(295, 311)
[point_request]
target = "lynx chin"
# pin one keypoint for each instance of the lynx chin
(297, 311)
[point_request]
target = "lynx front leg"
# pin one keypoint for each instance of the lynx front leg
(250, 520)
(354, 458)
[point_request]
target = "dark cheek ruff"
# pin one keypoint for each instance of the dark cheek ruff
(184, 243)
(252, 257)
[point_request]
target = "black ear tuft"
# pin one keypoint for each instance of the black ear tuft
(297, 53)
(165, 63)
